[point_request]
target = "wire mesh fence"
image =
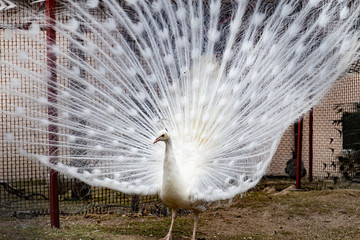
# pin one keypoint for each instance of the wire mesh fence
(335, 137)
(24, 186)
(336, 129)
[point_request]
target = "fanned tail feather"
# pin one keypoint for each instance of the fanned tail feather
(224, 78)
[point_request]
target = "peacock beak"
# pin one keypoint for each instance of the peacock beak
(156, 140)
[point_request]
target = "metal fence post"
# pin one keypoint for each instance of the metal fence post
(52, 112)
(298, 154)
(311, 145)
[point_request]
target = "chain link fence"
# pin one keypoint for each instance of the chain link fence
(24, 187)
(335, 137)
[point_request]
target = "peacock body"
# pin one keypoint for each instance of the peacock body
(224, 78)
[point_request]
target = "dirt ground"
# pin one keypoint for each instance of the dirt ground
(267, 212)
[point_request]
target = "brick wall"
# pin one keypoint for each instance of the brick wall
(327, 131)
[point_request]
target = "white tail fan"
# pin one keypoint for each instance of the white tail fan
(6, 5)
(224, 78)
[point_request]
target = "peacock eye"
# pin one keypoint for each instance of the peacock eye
(162, 135)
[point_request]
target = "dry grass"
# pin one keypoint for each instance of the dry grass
(321, 214)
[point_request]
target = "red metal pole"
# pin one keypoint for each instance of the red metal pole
(298, 154)
(311, 145)
(52, 112)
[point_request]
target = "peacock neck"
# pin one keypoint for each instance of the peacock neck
(169, 155)
(170, 165)
(173, 191)
(168, 143)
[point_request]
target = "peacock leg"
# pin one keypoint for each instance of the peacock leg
(196, 220)
(173, 216)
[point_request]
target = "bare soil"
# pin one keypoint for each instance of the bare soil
(266, 212)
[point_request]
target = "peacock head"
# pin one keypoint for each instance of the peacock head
(162, 136)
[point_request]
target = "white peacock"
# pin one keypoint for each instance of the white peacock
(225, 78)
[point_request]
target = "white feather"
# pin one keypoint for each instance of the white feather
(175, 66)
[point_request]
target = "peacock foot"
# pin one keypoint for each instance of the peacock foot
(167, 237)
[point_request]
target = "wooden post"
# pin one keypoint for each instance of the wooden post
(52, 112)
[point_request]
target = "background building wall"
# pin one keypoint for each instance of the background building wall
(327, 130)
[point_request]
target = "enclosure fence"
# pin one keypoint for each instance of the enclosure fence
(24, 185)
(335, 137)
